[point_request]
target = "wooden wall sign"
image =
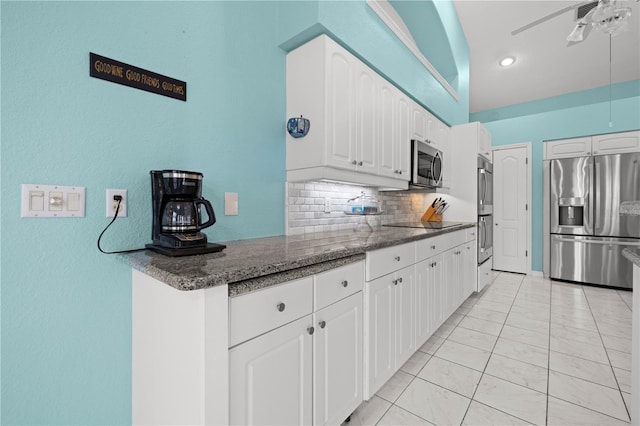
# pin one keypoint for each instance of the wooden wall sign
(128, 75)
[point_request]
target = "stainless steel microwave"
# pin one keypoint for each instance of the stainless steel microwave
(426, 165)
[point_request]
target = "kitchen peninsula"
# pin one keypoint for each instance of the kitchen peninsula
(183, 309)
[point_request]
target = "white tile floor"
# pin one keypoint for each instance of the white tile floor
(525, 350)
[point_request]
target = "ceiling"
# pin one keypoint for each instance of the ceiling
(544, 65)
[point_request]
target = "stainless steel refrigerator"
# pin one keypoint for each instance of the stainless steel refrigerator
(587, 232)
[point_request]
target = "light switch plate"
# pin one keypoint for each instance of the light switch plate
(52, 201)
(230, 203)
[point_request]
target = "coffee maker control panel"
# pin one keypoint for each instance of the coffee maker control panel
(194, 236)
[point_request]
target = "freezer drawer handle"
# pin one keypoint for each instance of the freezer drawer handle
(605, 243)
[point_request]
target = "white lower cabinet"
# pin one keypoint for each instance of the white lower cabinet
(337, 361)
(429, 312)
(390, 307)
(271, 377)
(308, 371)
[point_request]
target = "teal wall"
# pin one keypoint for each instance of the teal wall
(65, 308)
(576, 114)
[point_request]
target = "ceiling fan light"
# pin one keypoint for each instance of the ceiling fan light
(507, 61)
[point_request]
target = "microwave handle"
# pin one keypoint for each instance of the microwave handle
(437, 158)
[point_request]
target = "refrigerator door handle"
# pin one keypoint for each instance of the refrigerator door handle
(592, 194)
(596, 241)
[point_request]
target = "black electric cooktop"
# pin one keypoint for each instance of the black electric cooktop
(424, 225)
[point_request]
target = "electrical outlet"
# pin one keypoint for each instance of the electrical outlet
(112, 204)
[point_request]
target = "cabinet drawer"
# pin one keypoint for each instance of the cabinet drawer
(435, 245)
(470, 234)
(257, 312)
(387, 260)
(566, 148)
(336, 284)
(616, 143)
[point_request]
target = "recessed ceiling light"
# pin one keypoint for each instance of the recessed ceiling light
(508, 61)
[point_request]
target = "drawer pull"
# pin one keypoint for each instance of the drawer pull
(359, 163)
(433, 247)
(310, 330)
(322, 324)
(344, 283)
(280, 307)
(397, 258)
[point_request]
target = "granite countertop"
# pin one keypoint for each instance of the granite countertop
(251, 264)
(630, 208)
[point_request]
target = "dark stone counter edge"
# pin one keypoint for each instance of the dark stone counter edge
(633, 255)
(254, 278)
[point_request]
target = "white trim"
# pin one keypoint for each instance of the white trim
(410, 43)
(536, 274)
(526, 145)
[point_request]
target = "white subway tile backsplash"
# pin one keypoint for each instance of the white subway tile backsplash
(306, 201)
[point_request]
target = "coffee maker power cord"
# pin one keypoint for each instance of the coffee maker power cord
(115, 216)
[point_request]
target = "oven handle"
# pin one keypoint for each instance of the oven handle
(483, 234)
(484, 185)
(438, 159)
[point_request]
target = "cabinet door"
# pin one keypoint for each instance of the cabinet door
(616, 143)
(444, 136)
(270, 377)
(424, 306)
(387, 121)
(430, 128)
(405, 314)
(470, 267)
(403, 139)
(340, 108)
(567, 148)
(337, 361)
(449, 277)
(437, 316)
(484, 142)
(380, 358)
(366, 123)
(418, 122)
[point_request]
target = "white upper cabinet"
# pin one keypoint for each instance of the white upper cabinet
(616, 143)
(484, 142)
(610, 143)
(361, 125)
(566, 148)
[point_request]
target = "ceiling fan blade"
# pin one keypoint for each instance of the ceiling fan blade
(546, 18)
(551, 16)
(579, 33)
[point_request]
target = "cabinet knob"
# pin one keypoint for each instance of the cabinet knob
(344, 283)
(399, 172)
(354, 162)
(310, 330)
(359, 163)
(395, 282)
(322, 324)
(280, 307)
(433, 247)
(400, 280)
(434, 264)
(496, 224)
(397, 258)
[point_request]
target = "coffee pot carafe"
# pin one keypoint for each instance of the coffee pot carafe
(177, 219)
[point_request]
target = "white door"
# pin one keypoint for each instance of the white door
(510, 189)
(380, 299)
(449, 275)
(270, 377)
(437, 301)
(337, 360)
(405, 317)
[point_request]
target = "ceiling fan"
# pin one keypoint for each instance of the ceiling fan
(604, 15)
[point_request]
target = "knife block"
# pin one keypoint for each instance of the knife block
(431, 216)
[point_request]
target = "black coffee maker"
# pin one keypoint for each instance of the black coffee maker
(176, 197)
